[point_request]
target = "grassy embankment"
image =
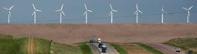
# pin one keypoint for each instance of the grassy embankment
(10, 45)
(154, 51)
(118, 48)
(133, 48)
(13, 45)
(184, 43)
(85, 48)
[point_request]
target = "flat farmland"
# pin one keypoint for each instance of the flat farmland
(69, 33)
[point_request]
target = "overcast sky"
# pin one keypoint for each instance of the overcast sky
(74, 9)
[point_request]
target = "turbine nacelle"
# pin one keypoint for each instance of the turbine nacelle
(9, 8)
(137, 10)
(112, 10)
(188, 8)
(61, 10)
(188, 13)
(162, 10)
(36, 10)
(86, 10)
(9, 12)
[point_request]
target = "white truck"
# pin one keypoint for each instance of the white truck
(99, 40)
(178, 50)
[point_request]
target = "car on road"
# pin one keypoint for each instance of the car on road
(100, 45)
(104, 49)
(92, 40)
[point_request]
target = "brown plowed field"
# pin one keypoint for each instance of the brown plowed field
(117, 32)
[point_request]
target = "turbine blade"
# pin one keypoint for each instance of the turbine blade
(57, 10)
(136, 6)
(110, 6)
(134, 12)
(115, 10)
(85, 6)
(11, 7)
(190, 7)
(33, 13)
(5, 8)
(90, 11)
(62, 6)
(184, 8)
(63, 13)
(140, 11)
(39, 10)
(85, 13)
(33, 6)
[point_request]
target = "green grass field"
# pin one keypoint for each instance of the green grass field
(118, 48)
(184, 43)
(65, 49)
(154, 51)
(11, 45)
(85, 48)
(41, 46)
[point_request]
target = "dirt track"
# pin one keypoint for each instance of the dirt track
(165, 48)
(117, 32)
(30, 45)
(96, 50)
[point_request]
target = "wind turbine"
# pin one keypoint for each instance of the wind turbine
(9, 12)
(86, 13)
(136, 12)
(188, 12)
(61, 12)
(34, 13)
(162, 12)
(111, 13)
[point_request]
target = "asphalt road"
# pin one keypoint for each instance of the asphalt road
(96, 50)
(166, 49)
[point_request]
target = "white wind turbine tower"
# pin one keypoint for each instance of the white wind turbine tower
(86, 13)
(34, 13)
(162, 12)
(111, 13)
(188, 12)
(136, 12)
(61, 12)
(9, 12)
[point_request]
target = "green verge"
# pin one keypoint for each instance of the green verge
(57, 48)
(183, 43)
(41, 46)
(152, 50)
(118, 48)
(9, 45)
(85, 48)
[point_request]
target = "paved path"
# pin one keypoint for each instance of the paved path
(166, 49)
(96, 50)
